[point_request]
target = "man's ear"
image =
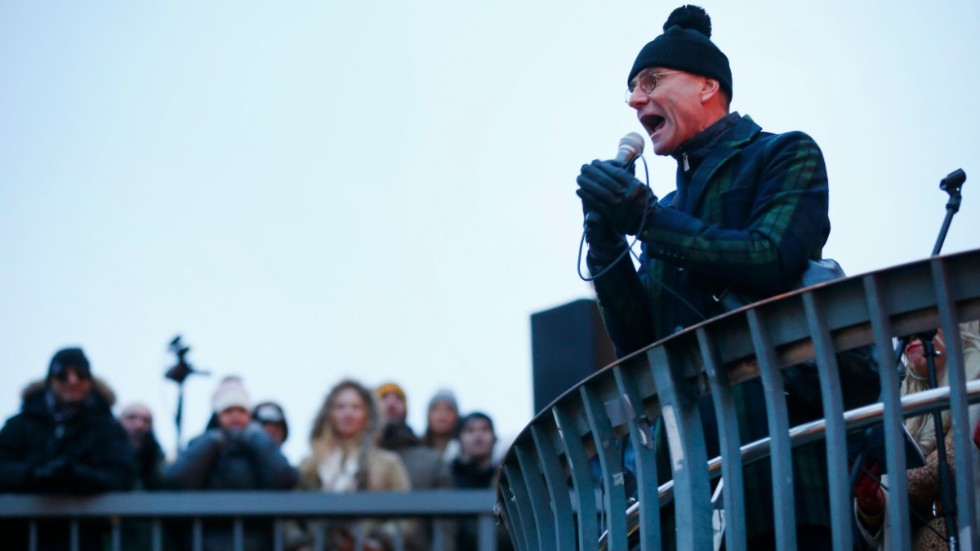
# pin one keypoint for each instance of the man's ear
(709, 89)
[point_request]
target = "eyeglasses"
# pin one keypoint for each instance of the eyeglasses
(646, 82)
(62, 374)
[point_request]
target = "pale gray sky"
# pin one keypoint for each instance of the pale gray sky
(385, 190)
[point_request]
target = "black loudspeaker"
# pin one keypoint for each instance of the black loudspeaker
(568, 343)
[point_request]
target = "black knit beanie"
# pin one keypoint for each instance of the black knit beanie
(69, 357)
(686, 45)
(471, 417)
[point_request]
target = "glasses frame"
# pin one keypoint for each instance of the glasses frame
(653, 78)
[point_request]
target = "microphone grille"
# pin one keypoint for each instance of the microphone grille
(633, 142)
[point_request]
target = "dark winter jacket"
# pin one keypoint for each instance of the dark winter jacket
(232, 460)
(43, 450)
(471, 475)
(87, 452)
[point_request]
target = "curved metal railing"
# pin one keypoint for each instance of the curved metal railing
(563, 479)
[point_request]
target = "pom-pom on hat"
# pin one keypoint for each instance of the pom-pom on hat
(686, 45)
(230, 393)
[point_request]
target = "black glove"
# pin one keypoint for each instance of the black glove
(609, 189)
(51, 474)
(605, 244)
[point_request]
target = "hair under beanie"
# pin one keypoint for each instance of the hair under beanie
(444, 395)
(230, 393)
(69, 357)
(686, 45)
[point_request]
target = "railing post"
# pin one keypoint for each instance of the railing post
(784, 504)
(729, 442)
(688, 453)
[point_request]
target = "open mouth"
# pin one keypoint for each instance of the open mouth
(652, 123)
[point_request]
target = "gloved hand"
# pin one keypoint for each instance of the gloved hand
(51, 472)
(869, 496)
(605, 244)
(609, 189)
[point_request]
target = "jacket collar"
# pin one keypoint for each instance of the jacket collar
(710, 150)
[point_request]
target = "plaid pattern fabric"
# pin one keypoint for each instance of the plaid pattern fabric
(748, 213)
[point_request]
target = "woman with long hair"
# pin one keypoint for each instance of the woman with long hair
(345, 458)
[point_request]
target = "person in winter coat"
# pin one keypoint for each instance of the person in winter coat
(65, 440)
(236, 455)
(442, 424)
(475, 468)
(345, 458)
(427, 470)
(137, 420)
(927, 520)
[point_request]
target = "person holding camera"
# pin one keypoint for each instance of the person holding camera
(65, 440)
(238, 454)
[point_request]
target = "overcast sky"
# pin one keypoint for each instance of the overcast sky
(385, 190)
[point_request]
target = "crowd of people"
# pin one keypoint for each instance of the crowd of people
(67, 440)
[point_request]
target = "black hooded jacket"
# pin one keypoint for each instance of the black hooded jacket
(84, 452)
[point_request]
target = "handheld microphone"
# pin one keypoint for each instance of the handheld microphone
(630, 147)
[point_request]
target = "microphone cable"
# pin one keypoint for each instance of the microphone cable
(629, 250)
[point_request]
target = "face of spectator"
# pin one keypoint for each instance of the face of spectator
(349, 414)
(71, 386)
(393, 407)
(442, 418)
(918, 364)
(138, 421)
(275, 431)
(235, 417)
(476, 440)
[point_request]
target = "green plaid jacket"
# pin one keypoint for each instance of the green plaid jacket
(749, 211)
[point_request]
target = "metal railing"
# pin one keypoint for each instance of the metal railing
(243, 509)
(562, 480)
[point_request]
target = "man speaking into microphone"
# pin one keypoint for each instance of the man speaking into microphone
(749, 212)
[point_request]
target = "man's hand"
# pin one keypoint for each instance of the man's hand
(605, 244)
(608, 188)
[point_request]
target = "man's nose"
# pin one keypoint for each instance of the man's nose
(637, 98)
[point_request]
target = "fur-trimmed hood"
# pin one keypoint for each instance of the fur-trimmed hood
(100, 388)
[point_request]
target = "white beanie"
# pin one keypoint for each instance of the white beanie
(230, 393)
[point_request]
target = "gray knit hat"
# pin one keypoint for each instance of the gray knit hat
(444, 395)
(686, 45)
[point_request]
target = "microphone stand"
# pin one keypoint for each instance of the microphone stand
(945, 473)
(952, 185)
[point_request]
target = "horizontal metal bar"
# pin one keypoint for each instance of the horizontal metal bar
(445, 503)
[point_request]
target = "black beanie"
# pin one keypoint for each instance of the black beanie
(68, 357)
(470, 417)
(686, 45)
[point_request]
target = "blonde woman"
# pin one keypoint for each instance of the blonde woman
(346, 459)
(924, 481)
